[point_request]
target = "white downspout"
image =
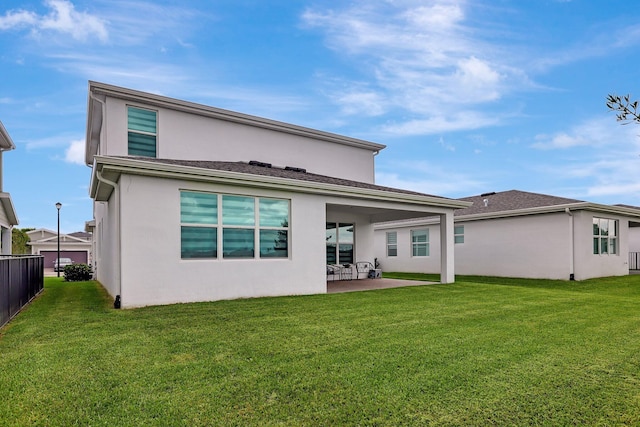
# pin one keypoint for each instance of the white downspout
(116, 190)
(572, 246)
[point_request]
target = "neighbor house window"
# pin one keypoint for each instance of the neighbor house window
(420, 242)
(339, 237)
(605, 236)
(203, 214)
(198, 220)
(142, 132)
(392, 243)
(458, 234)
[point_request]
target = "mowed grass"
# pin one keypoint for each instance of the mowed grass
(482, 351)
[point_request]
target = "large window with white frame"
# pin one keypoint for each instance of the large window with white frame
(247, 231)
(392, 243)
(420, 242)
(605, 236)
(340, 242)
(142, 132)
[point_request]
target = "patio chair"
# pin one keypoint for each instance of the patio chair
(364, 270)
(333, 272)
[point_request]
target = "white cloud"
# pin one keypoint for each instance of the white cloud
(600, 153)
(435, 124)
(62, 18)
(429, 178)
(428, 60)
(75, 152)
(595, 132)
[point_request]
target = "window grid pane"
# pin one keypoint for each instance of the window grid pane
(142, 120)
(238, 242)
(238, 210)
(274, 244)
(274, 213)
(198, 208)
(142, 145)
(199, 242)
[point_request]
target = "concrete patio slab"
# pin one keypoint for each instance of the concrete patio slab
(338, 286)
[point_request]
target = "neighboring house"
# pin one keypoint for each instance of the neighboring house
(195, 203)
(76, 246)
(634, 241)
(518, 234)
(8, 217)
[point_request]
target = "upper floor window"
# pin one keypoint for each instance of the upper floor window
(605, 236)
(458, 234)
(142, 132)
(420, 242)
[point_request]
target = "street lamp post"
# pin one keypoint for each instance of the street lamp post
(58, 206)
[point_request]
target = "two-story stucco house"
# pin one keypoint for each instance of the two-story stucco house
(518, 234)
(196, 203)
(8, 217)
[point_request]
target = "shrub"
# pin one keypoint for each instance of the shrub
(77, 272)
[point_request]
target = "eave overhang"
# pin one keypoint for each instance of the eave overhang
(111, 168)
(563, 208)
(9, 209)
(6, 143)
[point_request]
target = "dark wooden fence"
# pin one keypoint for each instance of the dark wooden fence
(634, 260)
(21, 279)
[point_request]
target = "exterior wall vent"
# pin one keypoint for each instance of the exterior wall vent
(261, 164)
(295, 169)
(486, 202)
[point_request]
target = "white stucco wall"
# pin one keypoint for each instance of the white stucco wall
(193, 137)
(154, 273)
(588, 265)
(405, 262)
(106, 260)
(533, 246)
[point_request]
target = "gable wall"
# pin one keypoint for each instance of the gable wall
(186, 136)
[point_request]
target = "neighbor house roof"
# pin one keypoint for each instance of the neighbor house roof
(99, 91)
(519, 203)
(256, 175)
(509, 201)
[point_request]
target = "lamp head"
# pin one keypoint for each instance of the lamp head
(58, 205)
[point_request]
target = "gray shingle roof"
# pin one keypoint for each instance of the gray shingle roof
(509, 201)
(278, 172)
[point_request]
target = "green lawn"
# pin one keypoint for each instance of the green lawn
(482, 351)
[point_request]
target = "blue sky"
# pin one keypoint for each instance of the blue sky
(469, 96)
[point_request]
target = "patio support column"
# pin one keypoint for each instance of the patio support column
(447, 265)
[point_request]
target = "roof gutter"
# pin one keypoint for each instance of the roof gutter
(140, 167)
